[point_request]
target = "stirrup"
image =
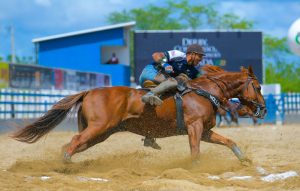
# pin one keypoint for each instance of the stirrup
(151, 98)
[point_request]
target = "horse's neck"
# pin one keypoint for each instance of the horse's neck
(226, 85)
(233, 83)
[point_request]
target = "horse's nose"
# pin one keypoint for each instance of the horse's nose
(264, 112)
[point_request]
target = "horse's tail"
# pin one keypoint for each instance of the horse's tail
(43, 125)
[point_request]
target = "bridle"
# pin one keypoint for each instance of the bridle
(260, 108)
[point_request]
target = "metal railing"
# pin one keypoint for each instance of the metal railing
(281, 105)
(20, 104)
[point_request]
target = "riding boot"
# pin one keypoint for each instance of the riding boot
(150, 142)
(152, 96)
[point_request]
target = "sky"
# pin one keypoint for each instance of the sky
(40, 18)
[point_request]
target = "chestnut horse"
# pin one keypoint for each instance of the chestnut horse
(105, 111)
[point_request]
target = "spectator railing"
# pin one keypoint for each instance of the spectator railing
(21, 104)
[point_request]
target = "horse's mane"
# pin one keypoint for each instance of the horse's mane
(213, 70)
(207, 69)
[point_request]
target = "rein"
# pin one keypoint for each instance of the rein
(213, 99)
(217, 102)
(214, 80)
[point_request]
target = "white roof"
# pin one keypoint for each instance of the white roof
(128, 24)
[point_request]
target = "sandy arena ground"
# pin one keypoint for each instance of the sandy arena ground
(122, 163)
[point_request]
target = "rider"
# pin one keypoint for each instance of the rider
(167, 66)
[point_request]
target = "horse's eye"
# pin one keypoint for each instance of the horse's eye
(259, 88)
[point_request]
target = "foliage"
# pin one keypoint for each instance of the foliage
(231, 21)
(274, 45)
(179, 15)
(188, 14)
(151, 17)
(278, 65)
(21, 60)
(287, 76)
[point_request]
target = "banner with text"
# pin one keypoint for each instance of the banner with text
(230, 50)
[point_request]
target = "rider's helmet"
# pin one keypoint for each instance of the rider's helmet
(195, 48)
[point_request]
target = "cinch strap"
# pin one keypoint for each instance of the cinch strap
(179, 114)
(213, 99)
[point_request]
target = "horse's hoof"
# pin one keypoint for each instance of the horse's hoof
(156, 146)
(246, 162)
(67, 158)
(150, 142)
(195, 162)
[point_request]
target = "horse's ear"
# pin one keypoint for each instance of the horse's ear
(244, 70)
(250, 70)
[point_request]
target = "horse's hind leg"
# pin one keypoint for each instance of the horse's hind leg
(212, 137)
(97, 140)
(81, 121)
(84, 139)
(82, 124)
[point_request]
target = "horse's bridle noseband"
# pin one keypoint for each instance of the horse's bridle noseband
(260, 109)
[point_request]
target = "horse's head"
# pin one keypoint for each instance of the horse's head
(250, 95)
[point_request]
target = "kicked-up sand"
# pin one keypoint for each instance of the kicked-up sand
(123, 163)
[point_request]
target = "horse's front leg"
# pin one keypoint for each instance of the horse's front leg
(220, 119)
(194, 133)
(227, 120)
(212, 137)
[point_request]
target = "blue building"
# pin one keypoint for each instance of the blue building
(88, 51)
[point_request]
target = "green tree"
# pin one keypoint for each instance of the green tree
(17, 59)
(278, 67)
(151, 17)
(232, 21)
(120, 17)
(274, 45)
(190, 15)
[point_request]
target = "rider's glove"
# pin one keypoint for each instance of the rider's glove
(168, 68)
(163, 60)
